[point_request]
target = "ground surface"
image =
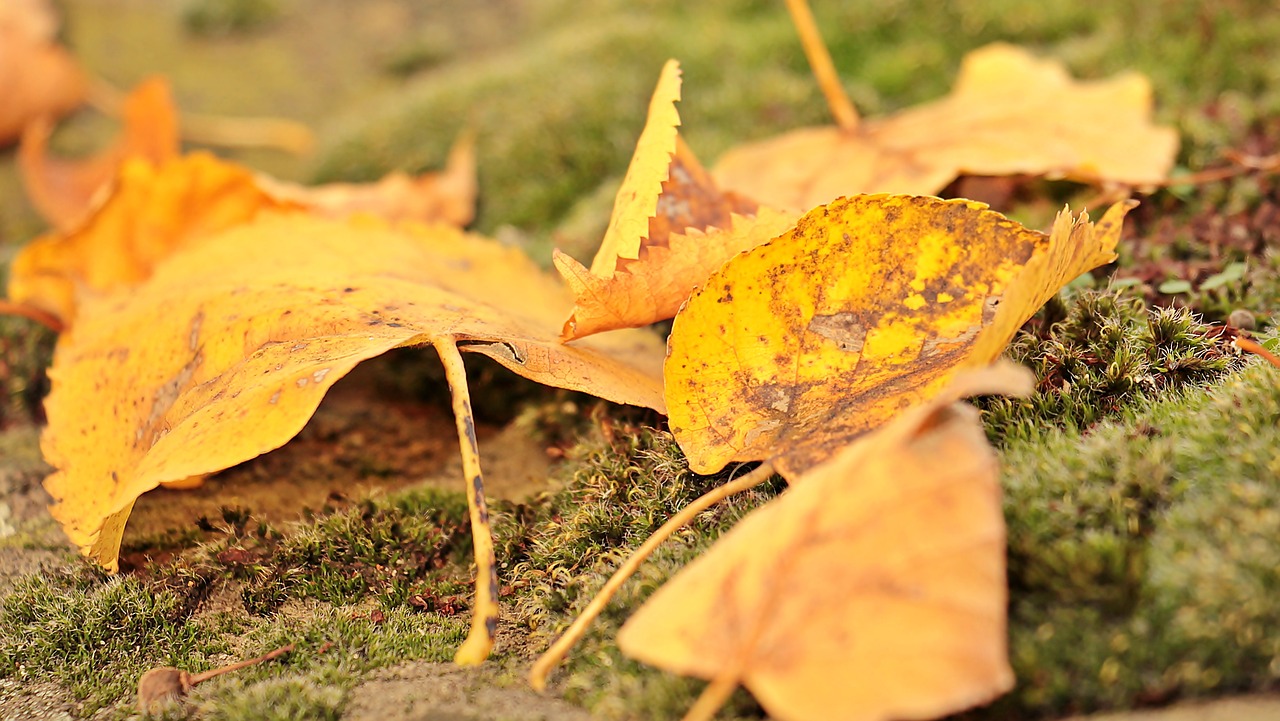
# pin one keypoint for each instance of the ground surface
(338, 543)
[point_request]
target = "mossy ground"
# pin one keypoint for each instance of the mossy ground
(1141, 495)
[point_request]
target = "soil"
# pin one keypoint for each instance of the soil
(445, 692)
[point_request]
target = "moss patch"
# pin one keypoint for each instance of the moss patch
(1143, 553)
(95, 636)
(558, 553)
(1141, 500)
(1098, 353)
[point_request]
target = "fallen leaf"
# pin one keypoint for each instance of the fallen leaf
(1009, 113)
(870, 305)
(225, 348)
(654, 286)
(874, 589)
(152, 210)
(671, 226)
(37, 76)
(64, 191)
(448, 196)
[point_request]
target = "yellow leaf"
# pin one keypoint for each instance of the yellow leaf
(872, 590)
(870, 305)
(1009, 113)
(225, 351)
(447, 197)
(64, 190)
(152, 211)
(641, 186)
(671, 226)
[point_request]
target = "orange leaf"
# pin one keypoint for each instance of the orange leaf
(871, 304)
(653, 287)
(64, 190)
(873, 590)
(152, 211)
(1009, 113)
(37, 77)
(448, 196)
(671, 226)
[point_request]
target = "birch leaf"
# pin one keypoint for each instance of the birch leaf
(869, 306)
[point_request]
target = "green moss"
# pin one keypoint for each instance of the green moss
(335, 647)
(95, 636)
(559, 552)
(559, 113)
(1096, 354)
(404, 546)
(26, 349)
(285, 698)
(371, 577)
(228, 17)
(1143, 554)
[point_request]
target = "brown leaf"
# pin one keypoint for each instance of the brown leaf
(671, 226)
(653, 287)
(1009, 113)
(872, 590)
(225, 352)
(870, 305)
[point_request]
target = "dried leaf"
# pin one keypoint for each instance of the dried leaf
(226, 350)
(152, 211)
(653, 287)
(64, 191)
(637, 199)
(873, 590)
(448, 196)
(37, 76)
(1009, 113)
(870, 305)
(671, 226)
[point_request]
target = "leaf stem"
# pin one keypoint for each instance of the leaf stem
(1252, 346)
(823, 69)
(484, 615)
(277, 133)
(206, 675)
(558, 650)
(712, 698)
(44, 318)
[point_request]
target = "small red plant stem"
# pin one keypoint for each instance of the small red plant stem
(44, 318)
(1252, 346)
(206, 675)
(1241, 165)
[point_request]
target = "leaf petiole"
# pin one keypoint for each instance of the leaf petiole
(558, 650)
(823, 69)
(484, 615)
